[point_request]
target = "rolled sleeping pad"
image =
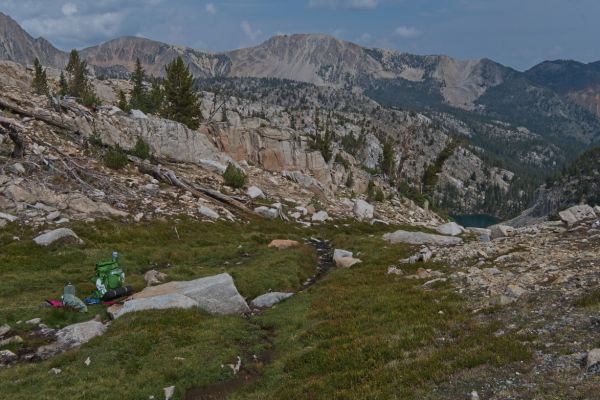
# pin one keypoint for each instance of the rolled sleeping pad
(120, 292)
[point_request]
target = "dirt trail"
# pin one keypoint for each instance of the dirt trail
(252, 365)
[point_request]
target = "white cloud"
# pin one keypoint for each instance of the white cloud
(352, 4)
(210, 8)
(249, 32)
(407, 32)
(69, 9)
(76, 28)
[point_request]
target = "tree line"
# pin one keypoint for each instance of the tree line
(173, 97)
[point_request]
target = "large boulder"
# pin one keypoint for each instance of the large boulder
(344, 258)
(267, 212)
(208, 212)
(401, 236)
(84, 205)
(214, 294)
(48, 238)
(254, 192)
(450, 228)
(270, 299)
(320, 216)
(500, 231)
(363, 210)
(72, 336)
(576, 214)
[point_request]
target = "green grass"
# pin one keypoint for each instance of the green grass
(356, 334)
(590, 299)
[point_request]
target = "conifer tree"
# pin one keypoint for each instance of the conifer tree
(40, 81)
(123, 104)
(63, 84)
(138, 98)
(79, 85)
(180, 100)
(155, 98)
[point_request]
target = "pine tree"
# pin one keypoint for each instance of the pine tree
(138, 98)
(386, 160)
(40, 81)
(63, 84)
(181, 102)
(79, 86)
(123, 104)
(155, 99)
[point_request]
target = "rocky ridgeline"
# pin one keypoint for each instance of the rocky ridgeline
(62, 176)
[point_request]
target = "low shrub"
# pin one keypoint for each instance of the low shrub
(115, 158)
(234, 177)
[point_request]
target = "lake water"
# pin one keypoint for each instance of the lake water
(475, 220)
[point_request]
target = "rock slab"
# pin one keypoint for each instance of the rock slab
(48, 238)
(401, 236)
(214, 294)
(270, 299)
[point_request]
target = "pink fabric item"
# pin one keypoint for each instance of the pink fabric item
(55, 303)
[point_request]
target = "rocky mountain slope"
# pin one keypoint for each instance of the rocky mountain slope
(528, 124)
(18, 46)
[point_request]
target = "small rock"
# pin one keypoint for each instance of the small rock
(169, 392)
(320, 216)
(501, 300)
(34, 321)
(392, 270)
(7, 356)
(138, 114)
(474, 395)
(11, 340)
(515, 291)
(450, 228)
(254, 192)
(154, 277)
(592, 361)
(53, 216)
(4, 329)
(269, 299)
(18, 168)
(267, 212)
(55, 371)
(8, 217)
(87, 362)
(138, 217)
(283, 244)
(208, 212)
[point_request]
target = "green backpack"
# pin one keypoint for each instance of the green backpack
(109, 276)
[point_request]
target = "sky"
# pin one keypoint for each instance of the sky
(517, 33)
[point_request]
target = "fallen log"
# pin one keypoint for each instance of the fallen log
(168, 176)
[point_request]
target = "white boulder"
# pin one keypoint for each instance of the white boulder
(320, 216)
(401, 236)
(254, 192)
(450, 228)
(270, 299)
(48, 238)
(363, 210)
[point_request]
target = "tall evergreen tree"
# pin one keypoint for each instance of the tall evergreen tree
(123, 104)
(63, 84)
(40, 81)
(79, 85)
(181, 101)
(155, 98)
(138, 97)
